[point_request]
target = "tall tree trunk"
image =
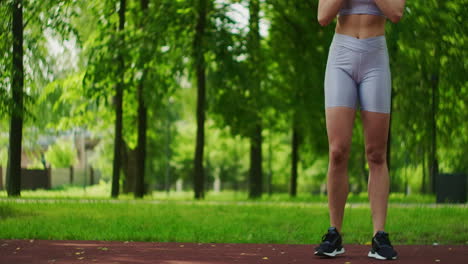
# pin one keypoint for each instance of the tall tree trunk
(424, 181)
(294, 161)
(253, 43)
(141, 146)
(362, 182)
(256, 174)
(129, 164)
(167, 148)
(142, 125)
(434, 79)
(434, 163)
(118, 106)
(199, 178)
(16, 125)
(270, 168)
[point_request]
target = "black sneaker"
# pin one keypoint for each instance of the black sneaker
(381, 247)
(331, 244)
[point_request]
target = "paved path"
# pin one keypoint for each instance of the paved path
(104, 252)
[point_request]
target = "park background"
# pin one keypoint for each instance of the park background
(221, 101)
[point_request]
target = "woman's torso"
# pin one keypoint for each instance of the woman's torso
(361, 19)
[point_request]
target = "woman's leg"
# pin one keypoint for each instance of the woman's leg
(340, 122)
(376, 127)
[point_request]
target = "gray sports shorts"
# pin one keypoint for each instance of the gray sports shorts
(358, 71)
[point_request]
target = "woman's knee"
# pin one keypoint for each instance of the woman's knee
(339, 154)
(376, 156)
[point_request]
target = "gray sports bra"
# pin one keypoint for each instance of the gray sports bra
(352, 7)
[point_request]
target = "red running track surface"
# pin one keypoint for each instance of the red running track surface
(115, 252)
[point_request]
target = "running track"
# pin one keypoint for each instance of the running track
(115, 252)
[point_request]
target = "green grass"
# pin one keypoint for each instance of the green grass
(226, 222)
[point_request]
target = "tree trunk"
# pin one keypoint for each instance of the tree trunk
(253, 44)
(362, 182)
(295, 160)
(423, 184)
(1, 178)
(270, 168)
(118, 107)
(91, 175)
(71, 174)
(434, 163)
(167, 181)
(434, 167)
(199, 178)
(16, 125)
(129, 161)
(142, 127)
(256, 174)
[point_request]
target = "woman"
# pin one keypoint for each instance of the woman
(358, 73)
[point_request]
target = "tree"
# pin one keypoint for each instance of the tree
(254, 53)
(16, 125)
(423, 130)
(199, 60)
(142, 123)
(119, 88)
(298, 52)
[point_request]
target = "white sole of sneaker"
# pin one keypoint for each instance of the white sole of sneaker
(377, 256)
(334, 253)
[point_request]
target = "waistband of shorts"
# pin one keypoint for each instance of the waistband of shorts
(360, 45)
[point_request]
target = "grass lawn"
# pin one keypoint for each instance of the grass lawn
(224, 222)
(102, 192)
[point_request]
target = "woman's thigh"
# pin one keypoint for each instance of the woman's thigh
(340, 121)
(376, 126)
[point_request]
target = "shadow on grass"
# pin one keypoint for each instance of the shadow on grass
(6, 211)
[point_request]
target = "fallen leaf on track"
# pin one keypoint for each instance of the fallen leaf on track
(265, 258)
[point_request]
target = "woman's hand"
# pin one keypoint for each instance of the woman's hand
(393, 9)
(327, 10)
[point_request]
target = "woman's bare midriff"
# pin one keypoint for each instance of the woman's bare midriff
(361, 26)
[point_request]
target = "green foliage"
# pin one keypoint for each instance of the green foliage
(70, 66)
(5, 57)
(62, 154)
(427, 49)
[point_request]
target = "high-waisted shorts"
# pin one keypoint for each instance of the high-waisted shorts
(358, 72)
